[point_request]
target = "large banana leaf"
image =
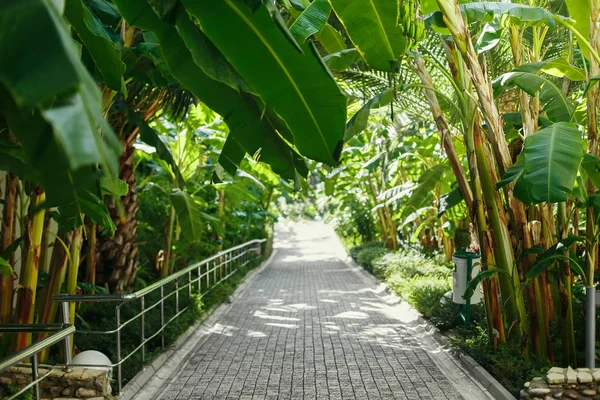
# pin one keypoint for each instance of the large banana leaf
(62, 144)
(551, 159)
(372, 26)
(580, 12)
(103, 51)
(312, 20)
(289, 78)
(240, 112)
(556, 105)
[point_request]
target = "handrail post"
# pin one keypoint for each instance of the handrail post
(176, 295)
(34, 376)
(143, 327)
(215, 270)
(190, 286)
(207, 276)
(118, 322)
(200, 280)
(162, 316)
(64, 307)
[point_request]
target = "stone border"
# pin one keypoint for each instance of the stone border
(184, 345)
(472, 367)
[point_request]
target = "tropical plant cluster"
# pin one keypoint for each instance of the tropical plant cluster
(485, 138)
(442, 123)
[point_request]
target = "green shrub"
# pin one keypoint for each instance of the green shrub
(410, 263)
(367, 245)
(426, 293)
(366, 257)
(506, 364)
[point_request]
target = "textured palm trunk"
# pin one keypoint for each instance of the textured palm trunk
(6, 238)
(118, 255)
(29, 273)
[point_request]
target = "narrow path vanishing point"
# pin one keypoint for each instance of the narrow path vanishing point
(311, 326)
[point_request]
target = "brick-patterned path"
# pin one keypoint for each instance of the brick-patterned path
(310, 326)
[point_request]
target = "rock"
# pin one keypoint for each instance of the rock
(5, 380)
(584, 377)
(571, 394)
(556, 370)
(557, 395)
(555, 378)
(526, 385)
(571, 376)
(55, 390)
(588, 392)
(20, 379)
(596, 375)
(548, 398)
(66, 392)
(523, 395)
(540, 391)
(86, 393)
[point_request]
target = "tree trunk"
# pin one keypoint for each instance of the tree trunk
(118, 256)
(29, 272)
(6, 238)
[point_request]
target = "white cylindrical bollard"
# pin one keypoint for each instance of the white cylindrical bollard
(459, 276)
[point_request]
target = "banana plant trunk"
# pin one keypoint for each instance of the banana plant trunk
(593, 102)
(29, 274)
(57, 270)
(6, 239)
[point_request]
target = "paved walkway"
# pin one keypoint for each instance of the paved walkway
(310, 326)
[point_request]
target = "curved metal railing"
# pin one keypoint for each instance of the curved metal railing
(61, 332)
(205, 274)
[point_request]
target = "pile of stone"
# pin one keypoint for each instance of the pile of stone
(564, 383)
(79, 383)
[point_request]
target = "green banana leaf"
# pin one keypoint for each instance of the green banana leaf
(422, 193)
(102, 49)
(311, 21)
(551, 159)
(239, 110)
(556, 105)
(341, 60)
(359, 121)
(373, 27)
(188, 213)
(289, 77)
(331, 40)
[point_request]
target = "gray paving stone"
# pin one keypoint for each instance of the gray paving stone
(309, 327)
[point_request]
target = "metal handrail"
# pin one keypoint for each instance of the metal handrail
(155, 285)
(63, 332)
(237, 257)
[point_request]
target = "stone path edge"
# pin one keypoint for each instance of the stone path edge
(480, 374)
(136, 384)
